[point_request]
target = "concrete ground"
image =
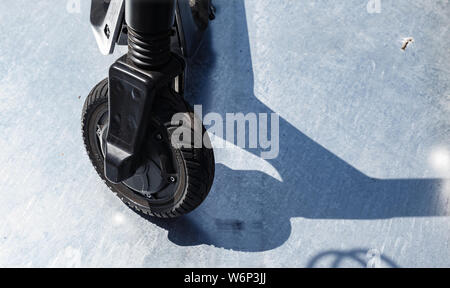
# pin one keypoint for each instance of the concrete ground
(363, 172)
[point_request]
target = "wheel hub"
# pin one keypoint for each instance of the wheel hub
(156, 177)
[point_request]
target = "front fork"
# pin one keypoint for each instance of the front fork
(146, 71)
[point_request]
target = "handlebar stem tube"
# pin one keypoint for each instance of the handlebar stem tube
(150, 24)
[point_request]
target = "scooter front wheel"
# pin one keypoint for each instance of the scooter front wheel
(171, 181)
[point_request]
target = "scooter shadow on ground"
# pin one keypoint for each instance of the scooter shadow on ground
(364, 258)
(251, 211)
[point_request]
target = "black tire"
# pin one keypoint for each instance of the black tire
(196, 165)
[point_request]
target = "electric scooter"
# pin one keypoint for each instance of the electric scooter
(128, 122)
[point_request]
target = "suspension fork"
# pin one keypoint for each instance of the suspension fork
(146, 71)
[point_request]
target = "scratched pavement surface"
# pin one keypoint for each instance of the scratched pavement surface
(363, 172)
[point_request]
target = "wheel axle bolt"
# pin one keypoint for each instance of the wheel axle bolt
(158, 137)
(172, 179)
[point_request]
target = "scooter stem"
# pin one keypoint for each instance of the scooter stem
(150, 24)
